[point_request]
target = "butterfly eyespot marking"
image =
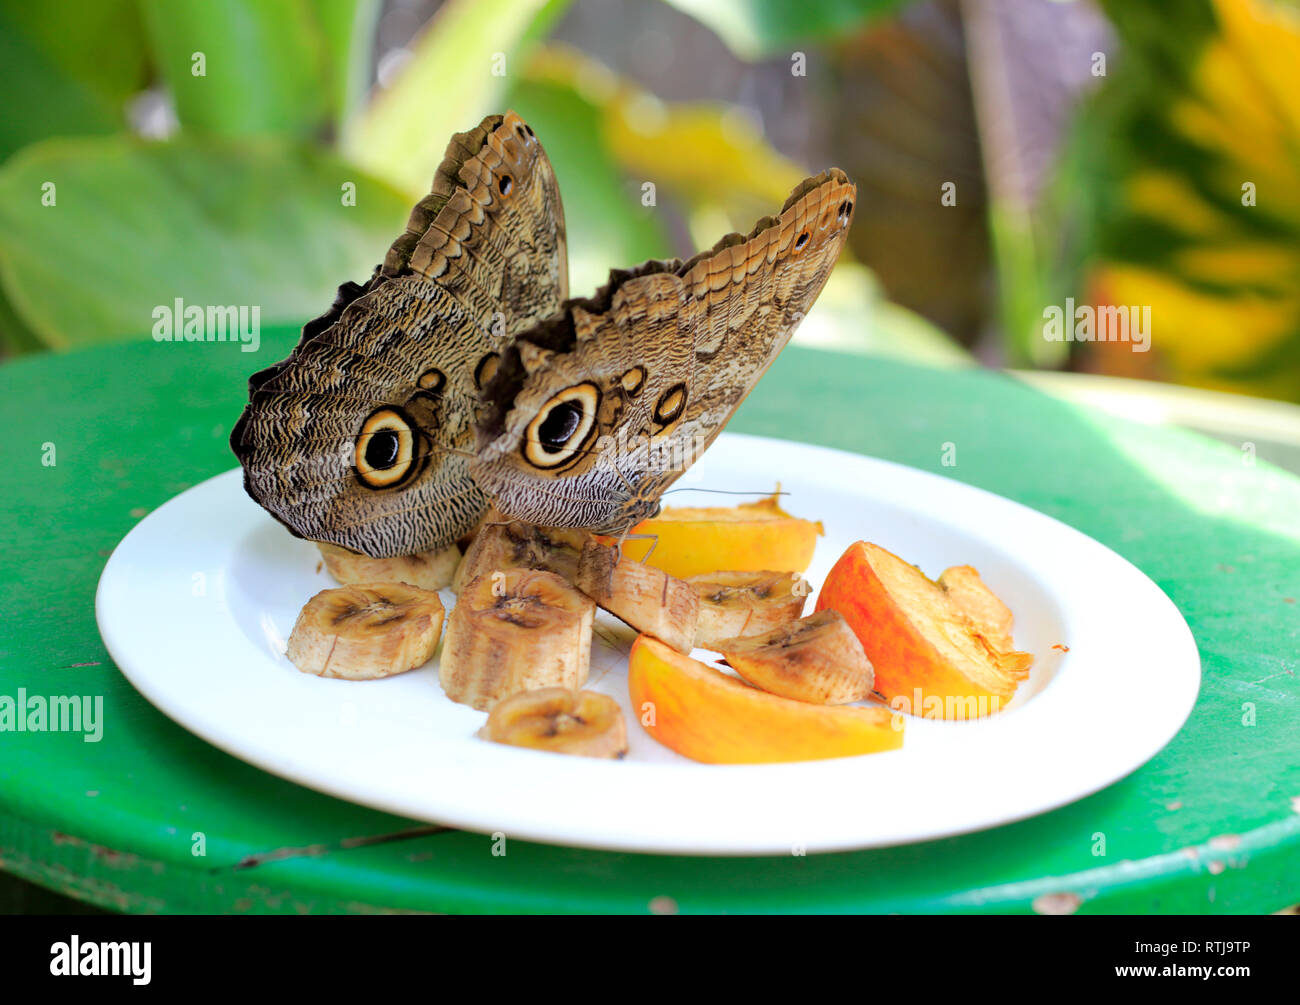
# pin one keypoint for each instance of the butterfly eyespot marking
(486, 370)
(432, 380)
(846, 210)
(561, 427)
(803, 239)
(670, 405)
(505, 184)
(633, 380)
(384, 454)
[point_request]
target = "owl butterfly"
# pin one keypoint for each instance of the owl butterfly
(361, 436)
(595, 412)
(460, 372)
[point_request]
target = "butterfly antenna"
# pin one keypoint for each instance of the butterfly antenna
(457, 451)
(727, 492)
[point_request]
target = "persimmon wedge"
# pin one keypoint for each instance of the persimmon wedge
(930, 656)
(709, 716)
(751, 537)
(982, 607)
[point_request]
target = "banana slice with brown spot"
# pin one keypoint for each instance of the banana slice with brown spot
(366, 631)
(648, 599)
(515, 630)
(429, 570)
(560, 720)
(503, 545)
(733, 604)
(816, 659)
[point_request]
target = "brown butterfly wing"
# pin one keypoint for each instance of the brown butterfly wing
(359, 437)
(595, 412)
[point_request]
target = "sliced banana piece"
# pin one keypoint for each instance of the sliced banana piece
(559, 720)
(503, 545)
(515, 630)
(366, 631)
(648, 599)
(746, 603)
(816, 659)
(429, 570)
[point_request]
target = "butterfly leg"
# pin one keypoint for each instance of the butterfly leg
(653, 538)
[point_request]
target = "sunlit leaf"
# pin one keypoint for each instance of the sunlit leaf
(709, 153)
(709, 158)
(136, 225)
(459, 70)
(1204, 223)
(754, 28)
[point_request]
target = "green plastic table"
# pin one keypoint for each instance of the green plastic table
(1212, 824)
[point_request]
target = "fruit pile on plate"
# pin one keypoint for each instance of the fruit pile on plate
(884, 640)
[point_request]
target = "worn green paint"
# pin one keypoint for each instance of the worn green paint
(1211, 824)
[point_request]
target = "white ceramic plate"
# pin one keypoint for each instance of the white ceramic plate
(197, 601)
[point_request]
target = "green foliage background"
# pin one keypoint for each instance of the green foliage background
(242, 202)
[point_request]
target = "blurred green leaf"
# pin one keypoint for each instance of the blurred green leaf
(58, 75)
(607, 225)
(15, 336)
(757, 28)
(349, 31)
(459, 69)
(281, 68)
(213, 221)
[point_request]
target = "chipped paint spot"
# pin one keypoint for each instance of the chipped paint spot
(252, 861)
(663, 905)
(1057, 903)
(414, 832)
(317, 850)
(109, 856)
(1216, 867)
(1177, 804)
(1225, 842)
